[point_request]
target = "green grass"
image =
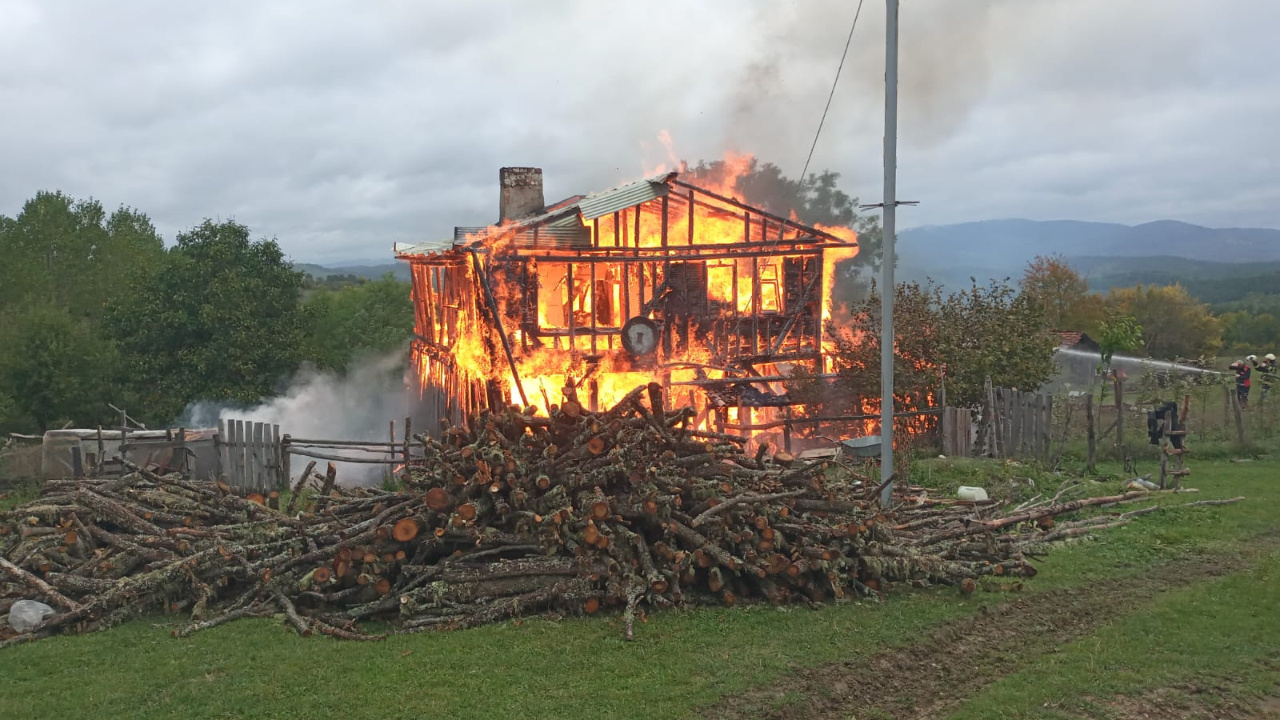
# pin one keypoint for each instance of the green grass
(576, 668)
(1217, 633)
(680, 661)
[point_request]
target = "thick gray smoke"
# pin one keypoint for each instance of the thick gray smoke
(358, 405)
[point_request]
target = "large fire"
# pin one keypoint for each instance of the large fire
(734, 292)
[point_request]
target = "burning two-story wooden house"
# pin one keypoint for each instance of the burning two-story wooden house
(657, 280)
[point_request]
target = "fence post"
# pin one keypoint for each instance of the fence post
(1046, 427)
(1120, 417)
(1090, 433)
(286, 462)
(1164, 450)
(239, 451)
(1241, 437)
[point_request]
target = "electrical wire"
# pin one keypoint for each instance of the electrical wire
(835, 82)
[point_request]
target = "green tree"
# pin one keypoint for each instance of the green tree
(219, 319)
(1117, 333)
(1063, 293)
(1246, 333)
(71, 254)
(993, 331)
(1174, 324)
(982, 331)
(55, 368)
(366, 317)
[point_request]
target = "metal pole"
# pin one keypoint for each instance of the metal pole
(887, 282)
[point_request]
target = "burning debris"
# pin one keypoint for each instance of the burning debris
(630, 508)
(654, 281)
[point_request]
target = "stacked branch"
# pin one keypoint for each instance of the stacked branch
(628, 509)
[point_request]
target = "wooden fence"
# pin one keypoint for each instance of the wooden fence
(1016, 424)
(251, 455)
(956, 429)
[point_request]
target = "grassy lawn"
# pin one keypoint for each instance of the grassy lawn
(1218, 634)
(683, 661)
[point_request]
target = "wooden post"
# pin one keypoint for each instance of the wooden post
(77, 462)
(259, 457)
(1046, 427)
(102, 451)
(992, 421)
(1241, 438)
(278, 463)
(1227, 393)
(1120, 417)
(1090, 433)
(945, 431)
(408, 437)
(1164, 455)
(286, 469)
(239, 455)
(786, 429)
(181, 451)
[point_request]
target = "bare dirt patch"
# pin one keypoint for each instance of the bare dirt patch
(1194, 701)
(934, 675)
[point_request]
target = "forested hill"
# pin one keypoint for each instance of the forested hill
(951, 254)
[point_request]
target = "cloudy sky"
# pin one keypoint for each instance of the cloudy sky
(340, 127)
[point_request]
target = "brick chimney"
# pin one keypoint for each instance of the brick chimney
(521, 193)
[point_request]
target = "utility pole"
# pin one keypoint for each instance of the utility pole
(887, 288)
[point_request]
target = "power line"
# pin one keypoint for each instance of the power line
(835, 82)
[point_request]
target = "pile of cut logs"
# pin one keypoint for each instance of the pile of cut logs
(629, 508)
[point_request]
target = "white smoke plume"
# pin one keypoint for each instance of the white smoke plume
(357, 405)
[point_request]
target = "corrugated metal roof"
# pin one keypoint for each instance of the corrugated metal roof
(607, 202)
(423, 248)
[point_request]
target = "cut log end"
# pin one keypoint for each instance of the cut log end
(405, 529)
(437, 499)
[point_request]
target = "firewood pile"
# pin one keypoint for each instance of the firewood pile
(627, 509)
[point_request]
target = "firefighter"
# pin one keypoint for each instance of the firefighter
(1243, 371)
(1267, 375)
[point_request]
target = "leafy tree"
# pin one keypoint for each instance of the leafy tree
(55, 368)
(369, 316)
(993, 331)
(1118, 333)
(1065, 296)
(1245, 333)
(71, 254)
(982, 331)
(1174, 325)
(219, 319)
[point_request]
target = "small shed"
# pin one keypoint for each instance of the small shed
(1075, 340)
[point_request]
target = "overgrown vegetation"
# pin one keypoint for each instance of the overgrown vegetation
(97, 310)
(960, 339)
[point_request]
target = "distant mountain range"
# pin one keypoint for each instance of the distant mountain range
(951, 254)
(370, 271)
(1107, 254)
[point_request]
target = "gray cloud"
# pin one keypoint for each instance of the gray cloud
(340, 127)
